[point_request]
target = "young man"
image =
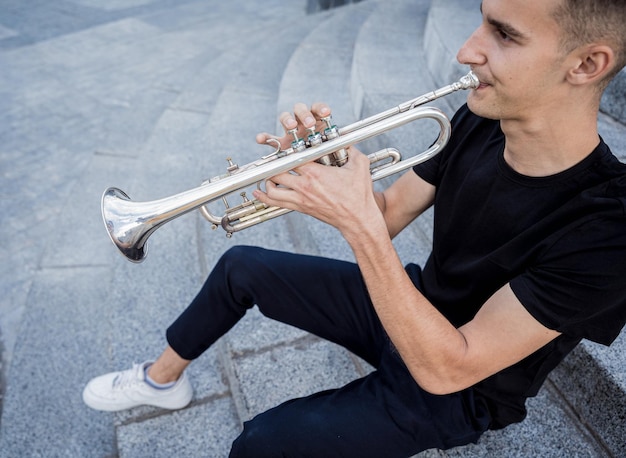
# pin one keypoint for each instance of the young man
(528, 256)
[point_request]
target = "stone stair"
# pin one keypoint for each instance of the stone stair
(152, 96)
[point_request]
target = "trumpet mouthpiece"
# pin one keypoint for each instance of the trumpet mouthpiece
(469, 81)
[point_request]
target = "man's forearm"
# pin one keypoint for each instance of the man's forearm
(428, 343)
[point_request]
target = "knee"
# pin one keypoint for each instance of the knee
(241, 257)
(233, 277)
(233, 262)
(238, 253)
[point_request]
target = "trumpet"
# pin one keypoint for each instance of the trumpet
(130, 223)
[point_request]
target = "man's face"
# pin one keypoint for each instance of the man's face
(515, 53)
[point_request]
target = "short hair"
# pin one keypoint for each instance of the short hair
(589, 21)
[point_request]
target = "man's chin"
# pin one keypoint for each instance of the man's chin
(480, 108)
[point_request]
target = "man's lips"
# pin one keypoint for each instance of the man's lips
(483, 84)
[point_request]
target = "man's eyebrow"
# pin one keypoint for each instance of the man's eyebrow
(504, 26)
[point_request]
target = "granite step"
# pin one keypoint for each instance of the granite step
(152, 96)
(96, 278)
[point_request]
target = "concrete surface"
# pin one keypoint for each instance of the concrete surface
(152, 96)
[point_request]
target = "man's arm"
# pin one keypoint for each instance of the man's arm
(440, 357)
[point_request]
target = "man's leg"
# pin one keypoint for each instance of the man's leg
(322, 296)
(168, 367)
(385, 414)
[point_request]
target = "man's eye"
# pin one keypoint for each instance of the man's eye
(503, 35)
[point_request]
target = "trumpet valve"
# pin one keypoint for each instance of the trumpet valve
(331, 131)
(298, 144)
(231, 166)
(341, 157)
(326, 160)
(314, 138)
(338, 158)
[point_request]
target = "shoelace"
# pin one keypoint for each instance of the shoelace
(129, 377)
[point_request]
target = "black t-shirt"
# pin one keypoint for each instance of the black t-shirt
(560, 241)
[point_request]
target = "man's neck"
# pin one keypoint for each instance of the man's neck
(547, 145)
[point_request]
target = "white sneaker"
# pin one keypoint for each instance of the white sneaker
(122, 390)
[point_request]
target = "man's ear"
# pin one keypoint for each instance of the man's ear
(591, 64)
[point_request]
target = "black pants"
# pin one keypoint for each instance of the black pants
(385, 414)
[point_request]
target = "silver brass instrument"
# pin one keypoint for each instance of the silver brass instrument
(130, 223)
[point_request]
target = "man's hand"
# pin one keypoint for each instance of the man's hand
(339, 196)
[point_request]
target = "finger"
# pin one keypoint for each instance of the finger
(320, 110)
(288, 121)
(275, 195)
(263, 137)
(304, 115)
(284, 180)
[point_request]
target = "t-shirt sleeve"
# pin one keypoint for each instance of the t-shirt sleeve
(578, 287)
(429, 170)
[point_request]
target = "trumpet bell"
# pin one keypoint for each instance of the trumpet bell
(126, 230)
